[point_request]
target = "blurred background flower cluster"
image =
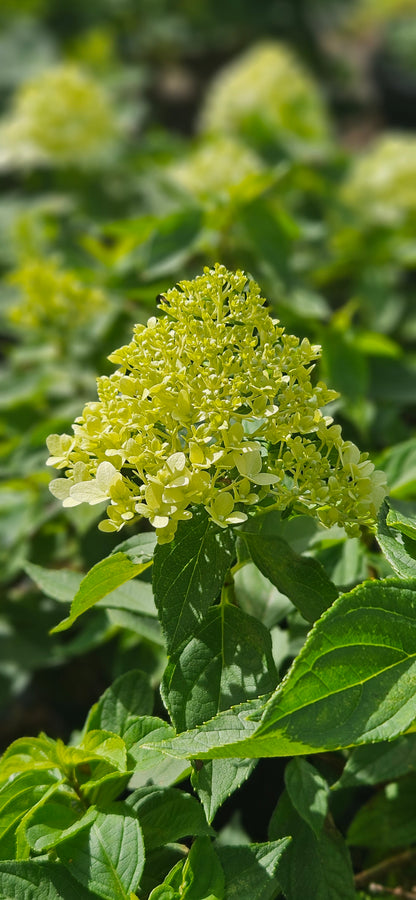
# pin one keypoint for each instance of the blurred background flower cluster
(141, 140)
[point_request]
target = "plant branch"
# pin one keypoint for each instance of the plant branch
(399, 892)
(399, 860)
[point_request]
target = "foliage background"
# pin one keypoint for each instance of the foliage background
(336, 260)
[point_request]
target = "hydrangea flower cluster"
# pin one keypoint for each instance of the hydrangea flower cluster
(382, 182)
(213, 404)
(52, 299)
(267, 95)
(216, 168)
(62, 117)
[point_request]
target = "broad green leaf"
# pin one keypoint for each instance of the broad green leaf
(344, 365)
(172, 242)
(103, 578)
(28, 754)
(252, 872)
(107, 745)
(200, 877)
(215, 780)
(229, 659)
(352, 683)
(144, 626)
(139, 548)
(128, 697)
(378, 763)
(17, 797)
(402, 517)
(40, 880)
(61, 584)
(55, 821)
(399, 549)
(301, 578)
(388, 820)
(102, 790)
(188, 574)
(317, 863)
(308, 793)
(108, 858)
(271, 232)
(158, 865)
(259, 598)
(399, 464)
(167, 814)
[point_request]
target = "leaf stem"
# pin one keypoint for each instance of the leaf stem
(399, 860)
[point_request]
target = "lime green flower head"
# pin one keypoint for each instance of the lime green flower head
(62, 117)
(381, 185)
(267, 96)
(213, 404)
(52, 300)
(216, 169)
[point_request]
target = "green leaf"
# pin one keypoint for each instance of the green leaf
(172, 242)
(252, 872)
(188, 574)
(228, 660)
(17, 797)
(388, 820)
(378, 763)
(215, 780)
(399, 549)
(399, 464)
(200, 877)
(103, 578)
(308, 792)
(271, 232)
(313, 861)
(167, 814)
(352, 683)
(139, 548)
(105, 744)
(61, 584)
(40, 880)
(129, 697)
(402, 517)
(301, 578)
(55, 821)
(258, 597)
(107, 859)
(28, 754)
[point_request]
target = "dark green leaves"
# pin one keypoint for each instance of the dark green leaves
(396, 535)
(188, 575)
(252, 872)
(166, 814)
(39, 880)
(317, 859)
(229, 659)
(352, 683)
(388, 820)
(301, 578)
(108, 858)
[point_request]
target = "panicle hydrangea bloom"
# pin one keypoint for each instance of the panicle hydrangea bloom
(213, 404)
(382, 182)
(216, 168)
(52, 299)
(62, 117)
(267, 94)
